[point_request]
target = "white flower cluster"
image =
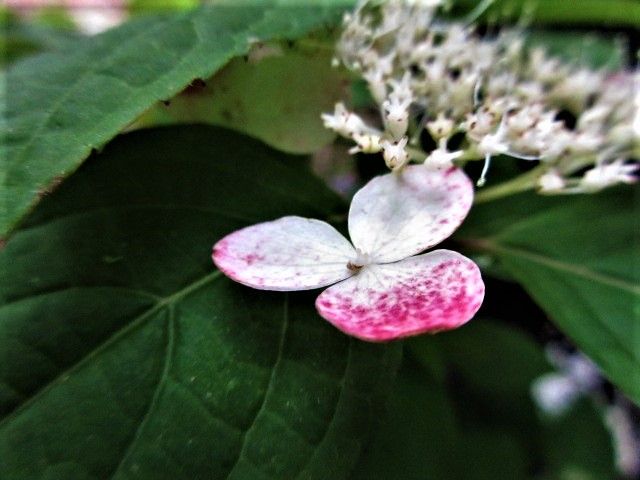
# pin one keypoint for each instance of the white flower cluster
(503, 98)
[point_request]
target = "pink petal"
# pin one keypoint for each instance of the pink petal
(428, 293)
(398, 215)
(291, 253)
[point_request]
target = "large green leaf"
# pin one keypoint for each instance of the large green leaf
(21, 38)
(278, 98)
(578, 257)
(125, 354)
(419, 434)
(57, 107)
(461, 408)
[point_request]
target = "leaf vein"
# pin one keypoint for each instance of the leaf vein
(170, 327)
(135, 323)
(564, 266)
(202, 405)
(337, 405)
(281, 343)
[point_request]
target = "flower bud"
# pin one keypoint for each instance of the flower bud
(441, 127)
(394, 153)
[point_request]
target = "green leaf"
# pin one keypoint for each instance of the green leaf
(419, 434)
(435, 430)
(461, 408)
(578, 445)
(137, 7)
(57, 107)
(578, 259)
(125, 354)
(552, 12)
(489, 368)
(278, 98)
(21, 38)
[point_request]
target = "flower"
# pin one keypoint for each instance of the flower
(394, 153)
(383, 290)
(344, 122)
(605, 175)
(499, 96)
(441, 158)
(551, 181)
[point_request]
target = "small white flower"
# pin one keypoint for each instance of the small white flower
(586, 142)
(461, 92)
(394, 153)
(401, 90)
(482, 122)
(575, 89)
(435, 72)
(493, 144)
(396, 107)
(442, 159)
(344, 122)
(524, 119)
(396, 117)
(366, 143)
(606, 175)
(530, 91)
(441, 127)
(551, 182)
(557, 145)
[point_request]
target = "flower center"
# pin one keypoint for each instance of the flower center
(360, 261)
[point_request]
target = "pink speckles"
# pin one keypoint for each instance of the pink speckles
(290, 253)
(388, 293)
(423, 301)
(325, 304)
(252, 258)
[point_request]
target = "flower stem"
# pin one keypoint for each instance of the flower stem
(521, 183)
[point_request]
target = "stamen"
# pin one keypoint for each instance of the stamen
(353, 267)
(483, 176)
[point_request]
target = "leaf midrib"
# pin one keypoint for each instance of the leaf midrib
(556, 264)
(115, 337)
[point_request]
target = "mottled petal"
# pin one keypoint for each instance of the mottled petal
(291, 253)
(398, 215)
(428, 293)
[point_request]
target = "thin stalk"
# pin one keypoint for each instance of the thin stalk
(519, 184)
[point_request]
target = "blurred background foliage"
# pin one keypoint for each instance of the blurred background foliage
(462, 404)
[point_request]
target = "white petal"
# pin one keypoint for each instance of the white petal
(291, 253)
(400, 214)
(428, 293)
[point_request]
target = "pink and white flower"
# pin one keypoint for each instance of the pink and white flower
(383, 290)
